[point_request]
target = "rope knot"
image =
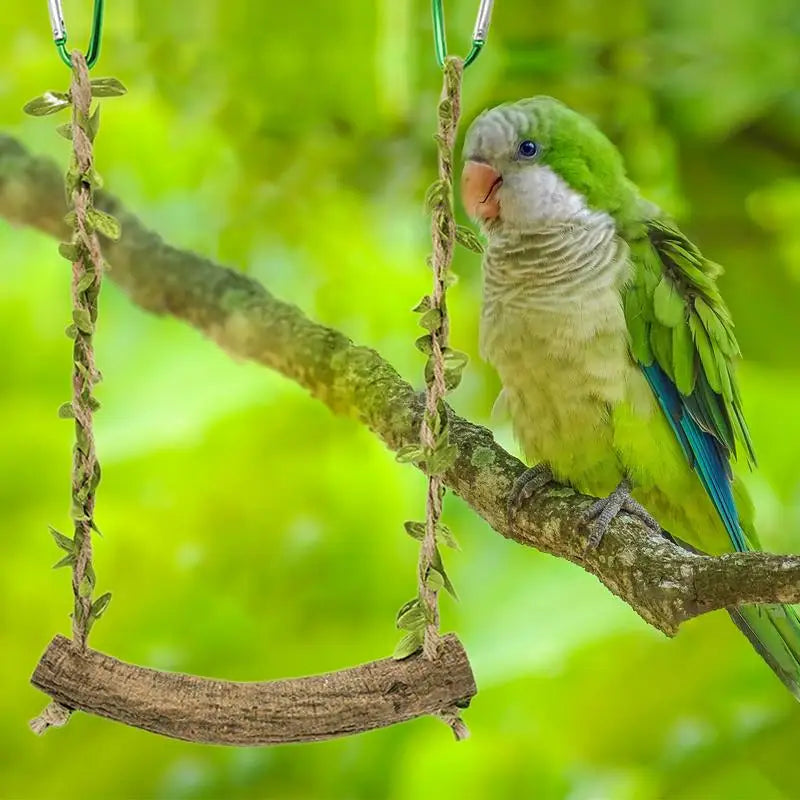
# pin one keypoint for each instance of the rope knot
(452, 716)
(54, 715)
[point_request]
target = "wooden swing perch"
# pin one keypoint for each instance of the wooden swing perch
(195, 709)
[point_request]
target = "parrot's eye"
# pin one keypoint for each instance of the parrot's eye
(527, 149)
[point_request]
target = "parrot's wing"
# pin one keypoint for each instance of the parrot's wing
(682, 336)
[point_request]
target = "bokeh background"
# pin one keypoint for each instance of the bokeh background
(249, 534)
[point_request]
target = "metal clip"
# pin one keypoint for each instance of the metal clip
(60, 32)
(479, 34)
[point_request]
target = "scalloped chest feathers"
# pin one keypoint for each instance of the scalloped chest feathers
(553, 327)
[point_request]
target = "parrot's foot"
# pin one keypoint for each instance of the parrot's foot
(599, 515)
(526, 486)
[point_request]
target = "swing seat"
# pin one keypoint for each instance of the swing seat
(195, 709)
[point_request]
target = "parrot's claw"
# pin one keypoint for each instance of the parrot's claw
(526, 486)
(599, 515)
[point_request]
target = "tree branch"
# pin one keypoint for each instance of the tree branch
(663, 582)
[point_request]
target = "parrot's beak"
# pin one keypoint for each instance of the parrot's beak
(479, 185)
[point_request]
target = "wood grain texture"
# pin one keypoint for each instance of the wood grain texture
(196, 709)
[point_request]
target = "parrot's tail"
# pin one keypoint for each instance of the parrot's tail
(774, 631)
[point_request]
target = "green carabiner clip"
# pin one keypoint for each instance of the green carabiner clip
(479, 34)
(60, 32)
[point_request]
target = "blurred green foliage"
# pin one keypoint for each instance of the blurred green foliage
(248, 533)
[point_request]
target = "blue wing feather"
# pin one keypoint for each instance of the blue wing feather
(704, 422)
(706, 455)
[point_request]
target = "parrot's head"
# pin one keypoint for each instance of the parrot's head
(536, 162)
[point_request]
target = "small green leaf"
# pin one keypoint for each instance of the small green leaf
(406, 606)
(104, 223)
(416, 530)
(77, 513)
(423, 305)
(442, 460)
(466, 237)
(430, 373)
(81, 368)
(107, 87)
(455, 359)
(412, 620)
(82, 493)
(431, 320)
(435, 195)
(70, 251)
(452, 378)
(85, 282)
(70, 218)
(410, 453)
(454, 363)
(72, 180)
(93, 178)
(85, 587)
(100, 605)
(94, 479)
(407, 646)
(424, 344)
(47, 103)
(93, 124)
(82, 320)
(81, 119)
(436, 420)
(411, 617)
(443, 414)
(65, 130)
(438, 565)
(64, 542)
(67, 561)
(65, 411)
(71, 331)
(445, 536)
(434, 580)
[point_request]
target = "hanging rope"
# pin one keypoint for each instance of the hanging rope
(433, 432)
(86, 276)
(420, 616)
(83, 251)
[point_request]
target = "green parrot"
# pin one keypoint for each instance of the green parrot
(613, 345)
